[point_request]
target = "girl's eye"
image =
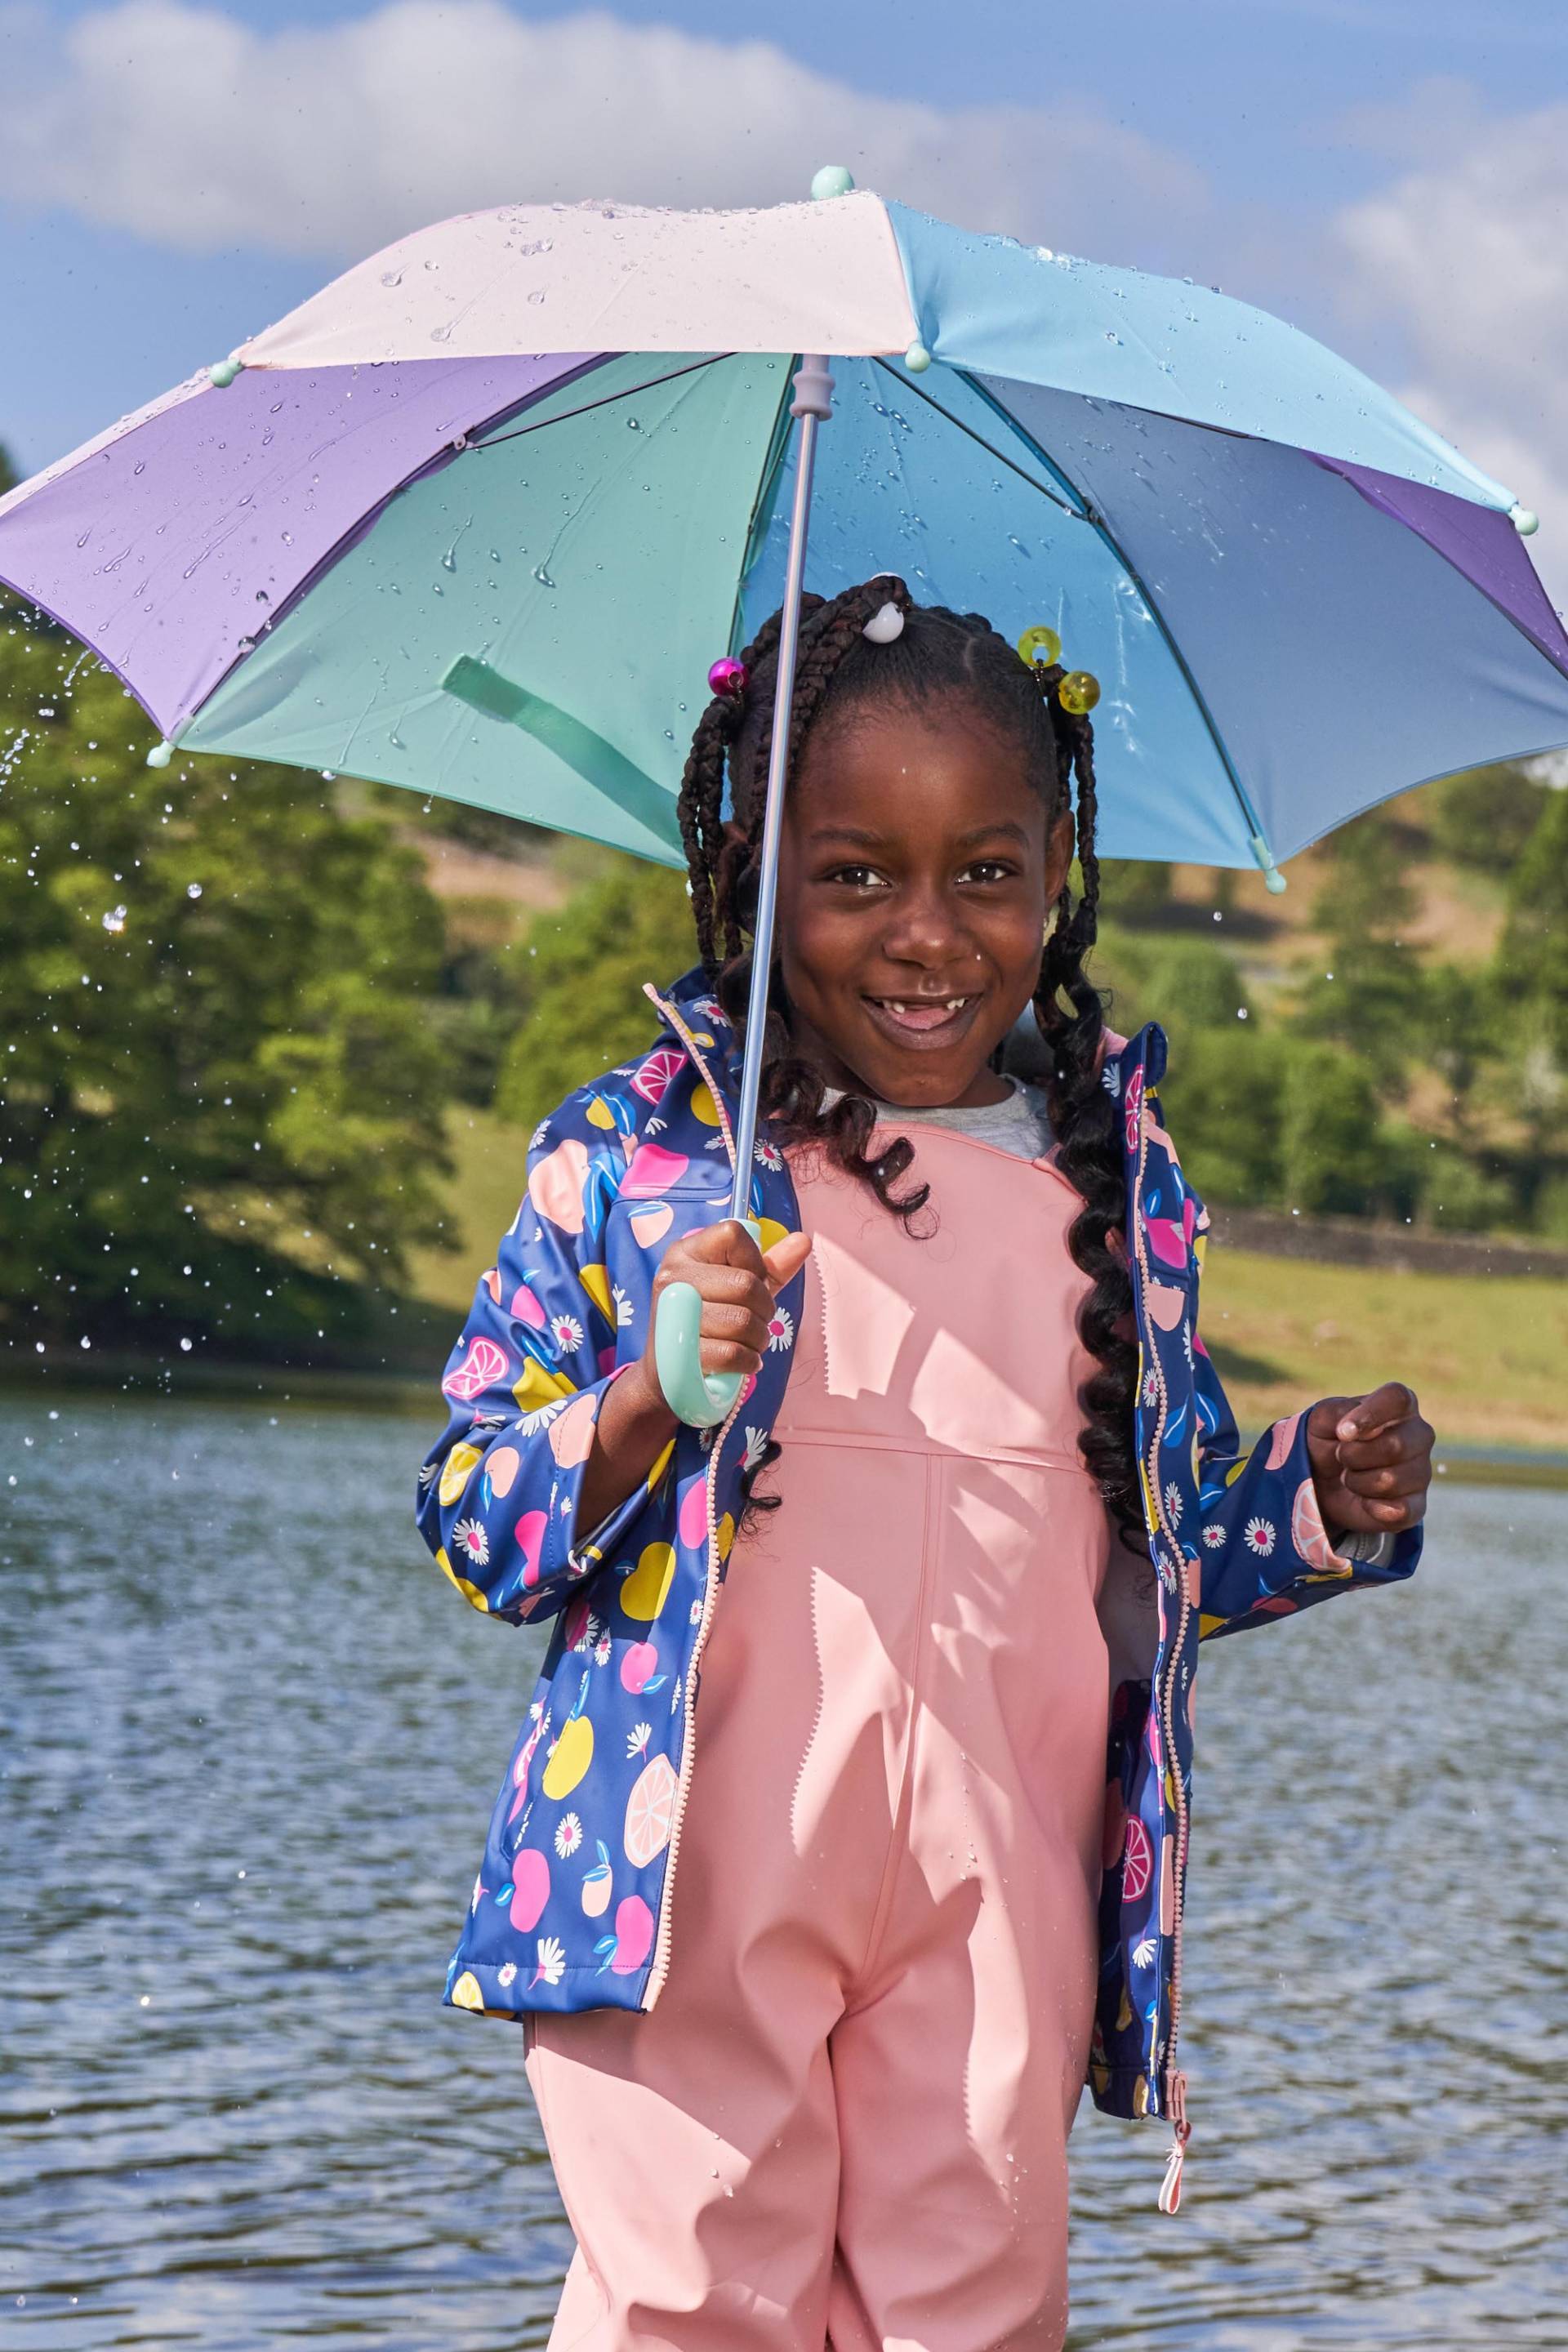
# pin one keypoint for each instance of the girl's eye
(988, 869)
(857, 878)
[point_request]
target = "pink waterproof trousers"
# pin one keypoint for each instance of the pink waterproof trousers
(844, 2119)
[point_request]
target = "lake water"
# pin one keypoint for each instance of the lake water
(250, 1741)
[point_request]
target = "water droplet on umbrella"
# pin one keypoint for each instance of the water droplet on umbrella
(538, 295)
(441, 334)
(432, 265)
(391, 277)
(632, 425)
(262, 597)
(542, 576)
(288, 539)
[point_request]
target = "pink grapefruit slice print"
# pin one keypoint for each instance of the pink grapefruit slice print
(650, 1811)
(1137, 1860)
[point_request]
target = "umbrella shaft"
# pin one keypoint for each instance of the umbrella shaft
(813, 389)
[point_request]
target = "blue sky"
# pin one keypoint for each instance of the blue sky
(1391, 173)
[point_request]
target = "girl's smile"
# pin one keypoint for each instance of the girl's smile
(919, 867)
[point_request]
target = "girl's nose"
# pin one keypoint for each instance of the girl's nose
(925, 930)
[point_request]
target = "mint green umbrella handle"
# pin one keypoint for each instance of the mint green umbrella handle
(699, 1399)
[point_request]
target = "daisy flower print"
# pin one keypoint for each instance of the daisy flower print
(550, 1957)
(566, 1332)
(781, 1331)
(470, 1540)
(1259, 1536)
(568, 1834)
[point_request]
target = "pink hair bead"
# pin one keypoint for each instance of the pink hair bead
(728, 677)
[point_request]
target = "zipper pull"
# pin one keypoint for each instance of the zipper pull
(1171, 2187)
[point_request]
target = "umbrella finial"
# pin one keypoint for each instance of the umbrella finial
(1273, 880)
(1524, 520)
(223, 373)
(917, 359)
(833, 180)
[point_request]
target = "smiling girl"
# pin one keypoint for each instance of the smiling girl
(848, 1834)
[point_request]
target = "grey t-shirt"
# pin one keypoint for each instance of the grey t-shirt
(1020, 1123)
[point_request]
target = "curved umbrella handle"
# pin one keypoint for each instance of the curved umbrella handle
(699, 1399)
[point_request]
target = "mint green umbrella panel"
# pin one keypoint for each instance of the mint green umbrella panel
(530, 630)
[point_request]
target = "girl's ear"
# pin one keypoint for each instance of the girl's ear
(1058, 855)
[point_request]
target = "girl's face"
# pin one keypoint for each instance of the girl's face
(918, 864)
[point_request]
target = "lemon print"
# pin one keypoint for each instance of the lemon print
(770, 1232)
(465, 1994)
(470, 1591)
(599, 1113)
(725, 1536)
(595, 1281)
(460, 1462)
(703, 1106)
(573, 1752)
(573, 1755)
(537, 1387)
(646, 1589)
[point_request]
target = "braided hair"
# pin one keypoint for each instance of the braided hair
(939, 656)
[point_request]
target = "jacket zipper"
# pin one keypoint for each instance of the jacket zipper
(1172, 2083)
(660, 1969)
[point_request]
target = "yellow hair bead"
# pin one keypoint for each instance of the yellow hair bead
(1039, 643)
(1079, 692)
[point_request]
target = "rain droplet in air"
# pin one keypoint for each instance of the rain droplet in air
(115, 920)
(193, 890)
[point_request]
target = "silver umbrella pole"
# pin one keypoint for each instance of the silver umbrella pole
(811, 406)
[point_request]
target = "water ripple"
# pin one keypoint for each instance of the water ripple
(249, 1743)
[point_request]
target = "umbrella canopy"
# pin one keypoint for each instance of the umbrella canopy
(476, 518)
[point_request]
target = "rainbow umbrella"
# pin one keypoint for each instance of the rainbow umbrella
(477, 517)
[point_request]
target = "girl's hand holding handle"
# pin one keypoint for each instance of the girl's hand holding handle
(1372, 1460)
(737, 1283)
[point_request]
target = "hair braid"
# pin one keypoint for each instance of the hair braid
(940, 654)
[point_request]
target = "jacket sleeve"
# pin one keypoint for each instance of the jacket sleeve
(499, 1493)
(1263, 1548)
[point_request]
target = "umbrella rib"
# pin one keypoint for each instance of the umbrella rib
(990, 448)
(1089, 513)
(693, 368)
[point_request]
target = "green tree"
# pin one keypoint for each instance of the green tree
(1483, 818)
(1366, 995)
(1335, 1159)
(585, 1008)
(1532, 958)
(220, 1100)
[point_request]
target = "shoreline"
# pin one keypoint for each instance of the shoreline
(417, 1395)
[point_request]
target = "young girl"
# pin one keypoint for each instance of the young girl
(810, 1879)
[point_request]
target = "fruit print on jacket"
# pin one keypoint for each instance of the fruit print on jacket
(571, 1909)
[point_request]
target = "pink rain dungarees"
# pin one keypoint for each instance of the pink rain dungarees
(844, 2119)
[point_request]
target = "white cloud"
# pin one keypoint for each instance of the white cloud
(188, 128)
(1466, 257)
(191, 130)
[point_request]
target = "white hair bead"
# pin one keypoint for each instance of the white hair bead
(885, 624)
